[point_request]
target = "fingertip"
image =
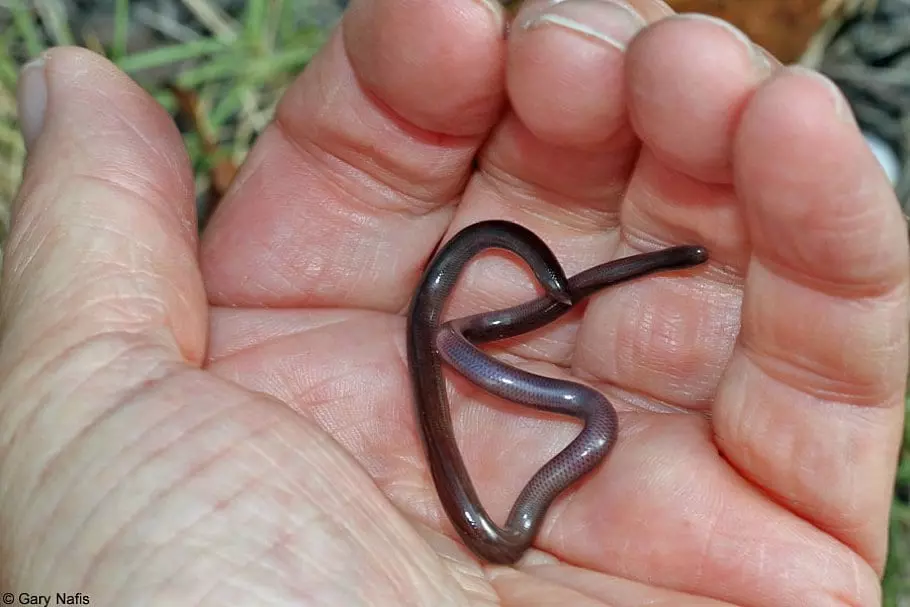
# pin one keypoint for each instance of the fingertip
(68, 88)
(688, 78)
(439, 65)
(565, 75)
(824, 206)
(106, 203)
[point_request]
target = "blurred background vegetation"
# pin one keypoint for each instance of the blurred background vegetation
(219, 67)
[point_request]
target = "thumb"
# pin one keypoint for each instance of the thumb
(102, 239)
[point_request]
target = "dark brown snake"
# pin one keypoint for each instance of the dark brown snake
(430, 342)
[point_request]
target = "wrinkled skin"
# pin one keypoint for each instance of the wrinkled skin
(228, 420)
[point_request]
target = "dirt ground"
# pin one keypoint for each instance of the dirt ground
(783, 27)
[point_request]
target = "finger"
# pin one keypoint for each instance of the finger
(348, 192)
(667, 340)
(559, 160)
(700, 145)
(562, 177)
(102, 240)
(811, 405)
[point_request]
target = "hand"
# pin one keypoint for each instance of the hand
(232, 422)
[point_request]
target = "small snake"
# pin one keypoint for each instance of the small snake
(430, 342)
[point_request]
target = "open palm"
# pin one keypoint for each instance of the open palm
(234, 422)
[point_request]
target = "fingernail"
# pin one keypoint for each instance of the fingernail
(615, 23)
(757, 56)
(31, 98)
(841, 106)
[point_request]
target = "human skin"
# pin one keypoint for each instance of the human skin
(229, 420)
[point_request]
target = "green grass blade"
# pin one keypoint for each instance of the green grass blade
(168, 55)
(254, 21)
(23, 22)
(56, 22)
(252, 70)
(121, 29)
